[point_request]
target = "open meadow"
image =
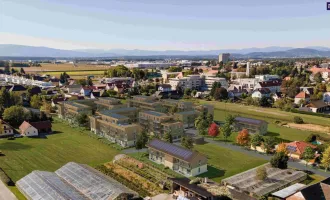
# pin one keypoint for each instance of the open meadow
(24, 155)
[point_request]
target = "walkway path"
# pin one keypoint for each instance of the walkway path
(5, 193)
(297, 165)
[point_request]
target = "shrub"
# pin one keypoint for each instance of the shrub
(261, 173)
(311, 138)
(298, 120)
(5, 178)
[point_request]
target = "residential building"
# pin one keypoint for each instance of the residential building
(267, 77)
(308, 90)
(190, 82)
(86, 91)
(181, 160)
(254, 126)
(276, 96)
(43, 127)
(302, 96)
(288, 191)
(149, 65)
(272, 85)
(261, 92)
(181, 105)
(318, 106)
(6, 129)
(73, 88)
(297, 148)
(186, 117)
(70, 109)
(325, 72)
(157, 123)
(224, 57)
(116, 125)
(26, 129)
(246, 83)
(73, 181)
(236, 91)
(144, 102)
(210, 80)
(317, 191)
(108, 103)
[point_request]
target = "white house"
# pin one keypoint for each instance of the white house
(301, 96)
(27, 129)
(272, 85)
(261, 92)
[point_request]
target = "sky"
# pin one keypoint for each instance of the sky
(164, 24)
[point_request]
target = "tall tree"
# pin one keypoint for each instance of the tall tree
(326, 159)
(36, 101)
(308, 154)
(213, 130)
(226, 130)
(280, 160)
(168, 137)
(22, 71)
(256, 140)
(269, 143)
(187, 142)
(14, 115)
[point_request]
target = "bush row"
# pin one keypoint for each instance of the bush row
(5, 178)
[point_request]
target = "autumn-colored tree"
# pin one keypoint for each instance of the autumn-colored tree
(243, 138)
(281, 148)
(213, 130)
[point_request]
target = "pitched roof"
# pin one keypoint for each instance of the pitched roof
(317, 191)
(298, 146)
(25, 125)
(165, 86)
(42, 125)
(263, 90)
(185, 182)
(302, 95)
(249, 120)
(17, 88)
(173, 150)
(317, 104)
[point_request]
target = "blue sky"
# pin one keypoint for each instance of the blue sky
(164, 25)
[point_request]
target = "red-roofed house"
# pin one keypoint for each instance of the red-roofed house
(297, 148)
(301, 96)
(34, 128)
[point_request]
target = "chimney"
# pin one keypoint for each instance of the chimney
(247, 73)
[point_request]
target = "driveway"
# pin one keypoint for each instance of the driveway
(5, 193)
(292, 164)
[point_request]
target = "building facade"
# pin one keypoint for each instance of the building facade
(224, 57)
(186, 162)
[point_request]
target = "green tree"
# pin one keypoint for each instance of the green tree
(36, 101)
(187, 142)
(5, 100)
(168, 137)
(256, 140)
(325, 162)
(22, 71)
(141, 140)
(280, 160)
(226, 130)
(298, 120)
(308, 154)
(14, 115)
(173, 109)
(269, 144)
(187, 92)
(318, 77)
(220, 94)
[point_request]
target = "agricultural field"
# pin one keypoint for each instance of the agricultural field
(24, 155)
(223, 162)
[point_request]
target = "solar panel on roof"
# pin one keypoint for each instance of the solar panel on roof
(291, 148)
(248, 120)
(172, 149)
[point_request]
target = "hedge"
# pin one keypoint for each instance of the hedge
(5, 178)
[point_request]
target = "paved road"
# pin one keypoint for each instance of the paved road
(297, 165)
(5, 193)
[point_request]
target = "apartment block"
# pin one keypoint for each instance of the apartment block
(190, 82)
(70, 109)
(181, 105)
(254, 126)
(116, 125)
(158, 123)
(144, 102)
(186, 117)
(181, 160)
(109, 103)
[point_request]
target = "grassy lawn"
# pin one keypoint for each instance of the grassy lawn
(24, 155)
(269, 114)
(223, 162)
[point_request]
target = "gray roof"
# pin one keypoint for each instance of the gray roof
(158, 114)
(47, 185)
(288, 191)
(72, 181)
(172, 149)
(191, 112)
(249, 120)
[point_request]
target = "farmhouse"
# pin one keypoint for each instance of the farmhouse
(26, 129)
(302, 96)
(181, 160)
(35, 128)
(297, 148)
(6, 129)
(252, 125)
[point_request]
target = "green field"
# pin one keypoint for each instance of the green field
(270, 115)
(24, 155)
(77, 73)
(223, 162)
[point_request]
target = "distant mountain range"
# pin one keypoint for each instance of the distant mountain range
(8, 50)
